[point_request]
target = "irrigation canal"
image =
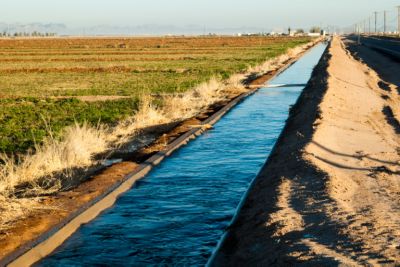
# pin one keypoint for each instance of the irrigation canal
(178, 213)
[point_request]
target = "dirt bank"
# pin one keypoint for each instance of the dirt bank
(329, 193)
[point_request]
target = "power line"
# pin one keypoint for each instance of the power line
(389, 23)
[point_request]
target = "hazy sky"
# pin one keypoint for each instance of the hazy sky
(210, 13)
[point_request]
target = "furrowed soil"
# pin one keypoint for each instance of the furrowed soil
(53, 82)
(330, 192)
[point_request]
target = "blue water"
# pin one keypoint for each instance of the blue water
(177, 214)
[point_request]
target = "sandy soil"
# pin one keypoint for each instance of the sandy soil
(330, 191)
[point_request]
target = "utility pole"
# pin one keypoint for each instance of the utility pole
(369, 25)
(384, 22)
(376, 20)
(365, 27)
(398, 20)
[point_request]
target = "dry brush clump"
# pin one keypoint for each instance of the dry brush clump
(39, 172)
(75, 149)
(276, 62)
(173, 108)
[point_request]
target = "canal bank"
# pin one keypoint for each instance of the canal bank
(328, 195)
(177, 214)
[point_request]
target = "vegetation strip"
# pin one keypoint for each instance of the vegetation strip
(49, 241)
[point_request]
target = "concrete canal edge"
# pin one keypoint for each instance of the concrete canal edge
(44, 245)
(213, 260)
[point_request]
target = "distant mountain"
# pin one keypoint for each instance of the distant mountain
(31, 27)
(145, 29)
(153, 29)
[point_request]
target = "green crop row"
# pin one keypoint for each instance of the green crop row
(28, 109)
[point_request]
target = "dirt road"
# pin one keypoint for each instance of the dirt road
(330, 192)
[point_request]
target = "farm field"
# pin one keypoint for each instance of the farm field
(51, 83)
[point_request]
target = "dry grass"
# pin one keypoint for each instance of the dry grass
(75, 149)
(275, 62)
(80, 143)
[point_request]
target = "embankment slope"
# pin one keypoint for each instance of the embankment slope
(329, 193)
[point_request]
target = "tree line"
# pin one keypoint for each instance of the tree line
(27, 34)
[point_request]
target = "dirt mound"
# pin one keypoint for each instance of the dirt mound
(329, 193)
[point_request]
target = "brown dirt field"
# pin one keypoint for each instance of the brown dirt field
(132, 42)
(329, 193)
(115, 69)
(96, 59)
